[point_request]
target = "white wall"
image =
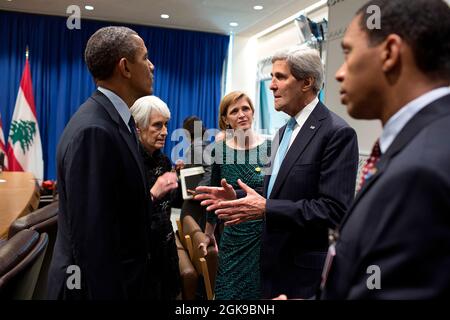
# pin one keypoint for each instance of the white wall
(282, 38)
(247, 51)
(243, 69)
(340, 14)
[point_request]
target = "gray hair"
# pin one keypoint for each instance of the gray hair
(106, 47)
(303, 63)
(144, 107)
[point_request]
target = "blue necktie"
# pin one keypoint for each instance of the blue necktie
(281, 152)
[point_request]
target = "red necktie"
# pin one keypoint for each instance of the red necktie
(369, 167)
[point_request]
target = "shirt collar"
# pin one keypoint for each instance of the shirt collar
(303, 114)
(118, 104)
(396, 123)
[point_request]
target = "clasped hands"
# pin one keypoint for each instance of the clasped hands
(226, 205)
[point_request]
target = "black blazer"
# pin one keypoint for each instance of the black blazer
(103, 221)
(313, 190)
(400, 220)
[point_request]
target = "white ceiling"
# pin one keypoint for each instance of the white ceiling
(202, 15)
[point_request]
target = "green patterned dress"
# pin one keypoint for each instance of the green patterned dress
(238, 276)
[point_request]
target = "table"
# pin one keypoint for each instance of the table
(19, 195)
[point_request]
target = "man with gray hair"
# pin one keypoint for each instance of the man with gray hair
(311, 184)
(102, 246)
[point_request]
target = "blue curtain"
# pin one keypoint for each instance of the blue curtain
(188, 72)
(264, 104)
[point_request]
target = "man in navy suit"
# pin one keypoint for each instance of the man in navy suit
(311, 183)
(102, 246)
(394, 243)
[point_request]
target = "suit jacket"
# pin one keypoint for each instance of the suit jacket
(400, 220)
(103, 222)
(314, 188)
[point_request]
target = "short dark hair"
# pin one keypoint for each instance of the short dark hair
(189, 125)
(106, 47)
(423, 24)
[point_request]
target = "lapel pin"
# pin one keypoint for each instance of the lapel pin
(312, 127)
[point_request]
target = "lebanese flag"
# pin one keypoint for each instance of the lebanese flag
(2, 144)
(24, 141)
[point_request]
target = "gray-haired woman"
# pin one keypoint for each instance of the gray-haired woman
(152, 115)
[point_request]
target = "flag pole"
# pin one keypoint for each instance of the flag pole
(25, 146)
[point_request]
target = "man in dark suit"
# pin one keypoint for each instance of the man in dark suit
(101, 250)
(310, 186)
(394, 243)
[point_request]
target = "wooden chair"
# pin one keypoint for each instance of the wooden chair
(206, 265)
(188, 274)
(180, 233)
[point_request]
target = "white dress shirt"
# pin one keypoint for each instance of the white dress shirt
(119, 104)
(301, 118)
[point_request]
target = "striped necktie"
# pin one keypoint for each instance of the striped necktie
(369, 167)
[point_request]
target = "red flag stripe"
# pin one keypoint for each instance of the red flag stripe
(2, 141)
(27, 88)
(13, 164)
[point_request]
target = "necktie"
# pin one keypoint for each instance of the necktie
(369, 167)
(132, 126)
(281, 152)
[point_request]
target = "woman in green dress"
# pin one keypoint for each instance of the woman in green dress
(241, 155)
